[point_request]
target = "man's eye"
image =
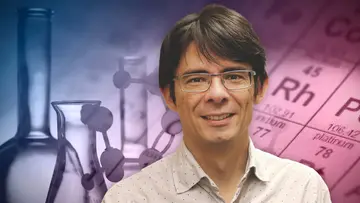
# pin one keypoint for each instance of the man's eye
(195, 80)
(233, 77)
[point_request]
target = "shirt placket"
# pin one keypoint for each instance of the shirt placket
(238, 191)
(212, 191)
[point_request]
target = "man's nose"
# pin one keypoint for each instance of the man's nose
(217, 92)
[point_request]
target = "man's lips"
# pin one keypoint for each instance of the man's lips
(217, 117)
(217, 114)
(218, 120)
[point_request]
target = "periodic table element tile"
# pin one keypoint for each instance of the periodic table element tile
(341, 113)
(336, 35)
(280, 23)
(273, 56)
(299, 86)
(329, 159)
(270, 133)
(348, 188)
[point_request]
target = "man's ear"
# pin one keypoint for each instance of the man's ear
(167, 97)
(262, 91)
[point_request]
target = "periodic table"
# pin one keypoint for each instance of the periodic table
(311, 112)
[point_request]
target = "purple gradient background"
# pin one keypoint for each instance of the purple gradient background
(89, 37)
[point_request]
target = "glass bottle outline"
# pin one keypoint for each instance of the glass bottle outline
(33, 138)
(68, 151)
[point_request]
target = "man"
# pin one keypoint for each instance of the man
(212, 72)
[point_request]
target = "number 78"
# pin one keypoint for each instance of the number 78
(325, 152)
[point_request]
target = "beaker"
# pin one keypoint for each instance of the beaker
(27, 160)
(78, 177)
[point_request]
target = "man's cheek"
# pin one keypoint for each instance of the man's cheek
(245, 97)
(191, 100)
(191, 96)
(250, 94)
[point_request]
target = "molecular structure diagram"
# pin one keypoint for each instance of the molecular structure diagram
(100, 119)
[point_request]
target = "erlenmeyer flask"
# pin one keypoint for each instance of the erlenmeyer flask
(77, 177)
(27, 160)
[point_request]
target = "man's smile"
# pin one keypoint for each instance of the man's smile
(217, 117)
(218, 120)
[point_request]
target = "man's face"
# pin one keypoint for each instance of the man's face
(201, 113)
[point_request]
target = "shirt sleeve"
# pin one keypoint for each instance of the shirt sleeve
(317, 190)
(323, 191)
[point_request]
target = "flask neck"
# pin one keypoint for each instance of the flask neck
(34, 66)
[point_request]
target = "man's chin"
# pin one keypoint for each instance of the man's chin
(218, 137)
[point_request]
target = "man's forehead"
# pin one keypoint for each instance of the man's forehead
(194, 60)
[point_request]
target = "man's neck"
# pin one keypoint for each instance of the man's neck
(224, 163)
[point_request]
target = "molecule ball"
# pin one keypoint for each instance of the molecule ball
(170, 123)
(103, 120)
(121, 79)
(153, 89)
(87, 181)
(174, 128)
(153, 78)
(112, 161)
(148, 157)
(88, 112)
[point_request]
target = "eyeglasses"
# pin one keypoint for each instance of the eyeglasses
(201, 82)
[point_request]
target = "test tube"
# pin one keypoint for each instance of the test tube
(133, 108)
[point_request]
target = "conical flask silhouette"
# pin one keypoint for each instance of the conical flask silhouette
(77, 176)
(27, 160)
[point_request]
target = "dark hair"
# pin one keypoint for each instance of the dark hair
(216, 29)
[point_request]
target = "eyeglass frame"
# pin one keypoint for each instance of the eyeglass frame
(252, 72)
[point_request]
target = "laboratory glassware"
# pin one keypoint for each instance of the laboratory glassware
(133, 107)
(27, 160)
(77, 176)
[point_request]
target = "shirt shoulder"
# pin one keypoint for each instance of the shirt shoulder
(142, 185)
(274, 165)
(292, 174)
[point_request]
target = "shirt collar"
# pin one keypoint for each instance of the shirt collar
(255, 163)
(187, 172)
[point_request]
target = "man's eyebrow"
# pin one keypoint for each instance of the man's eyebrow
(226, 69)
(195, 71)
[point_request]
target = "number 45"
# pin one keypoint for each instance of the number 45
(312, 71)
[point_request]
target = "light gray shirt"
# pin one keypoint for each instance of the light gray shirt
(178, 178)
